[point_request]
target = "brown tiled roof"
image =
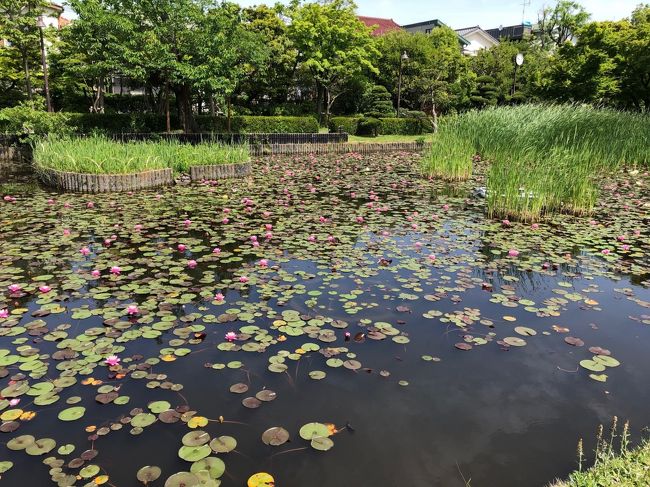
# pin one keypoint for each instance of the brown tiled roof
(381, 26)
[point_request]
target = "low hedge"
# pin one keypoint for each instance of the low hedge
(405, 126)
(349, 125)
(26, 120)
(389, 126)
(246, 124)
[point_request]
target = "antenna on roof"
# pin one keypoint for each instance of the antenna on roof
(524, 4)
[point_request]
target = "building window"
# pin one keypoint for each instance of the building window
(428, 31)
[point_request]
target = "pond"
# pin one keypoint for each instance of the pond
(431, 345)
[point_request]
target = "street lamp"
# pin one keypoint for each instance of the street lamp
(519, 61)
(41, 25)
(402, 59)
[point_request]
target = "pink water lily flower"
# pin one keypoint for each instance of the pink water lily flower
(112, 360)
(181, 247)
(243, 279)
(44, 289)
(311, 238)
(268, 227)
(66, 232)
(132, 310)
(231, 336)
(85, 251)
(535, 226)
(115, 270)
(513, 253)
(505, 223)
(14, 402)
(216, 250)
(187, 223)
(137, 227)
(359, 219)
(225, 221)
(264, 263)
(90, 204)
(95, 273)
(626, 247)
(191, 264)
(14, 288)
(219, 297)
(253, 238)
(432, 257)
(4, 313)
(606, 251)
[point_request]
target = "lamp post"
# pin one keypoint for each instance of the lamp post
(519, 60)
(41, 24)
(403, 58)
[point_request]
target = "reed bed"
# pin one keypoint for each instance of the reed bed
(99, 155)
(543, 158)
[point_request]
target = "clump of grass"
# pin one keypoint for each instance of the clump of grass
(99, 155)
(544, 158)
(450, 157)
(615, 463)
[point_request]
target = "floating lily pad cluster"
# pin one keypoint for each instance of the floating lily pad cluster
(309, 263)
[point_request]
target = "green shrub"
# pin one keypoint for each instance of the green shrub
(405, 126)
(369, 126)
(378, 100)
(99, 155)
(31, 123)
(115, 123)
(256, 124)
(349, 125)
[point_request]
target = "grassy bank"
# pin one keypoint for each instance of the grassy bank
(99, 155)
(542, 158)
(631, 469)
(615, 465)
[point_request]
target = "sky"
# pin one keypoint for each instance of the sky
(465, 13)
(457, 14)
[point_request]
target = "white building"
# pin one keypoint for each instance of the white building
(478, 39)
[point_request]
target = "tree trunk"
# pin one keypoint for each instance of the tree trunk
(213, 106)
(28, 83)
(229, 114)
(434, 112)
(183, 96)
(168, 123)
(319, 102)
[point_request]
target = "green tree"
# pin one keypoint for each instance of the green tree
(271, 83)
(228, 52)
(498, 62)
(333, 45)
(485, 93)
(377, 100)
(20, 57)
(435, 77)
(608, 65)
(560, 23)
(101, 42)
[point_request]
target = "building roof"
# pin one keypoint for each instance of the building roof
(434, 22)
(512, 32)
(471, 30)
(381, 26)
